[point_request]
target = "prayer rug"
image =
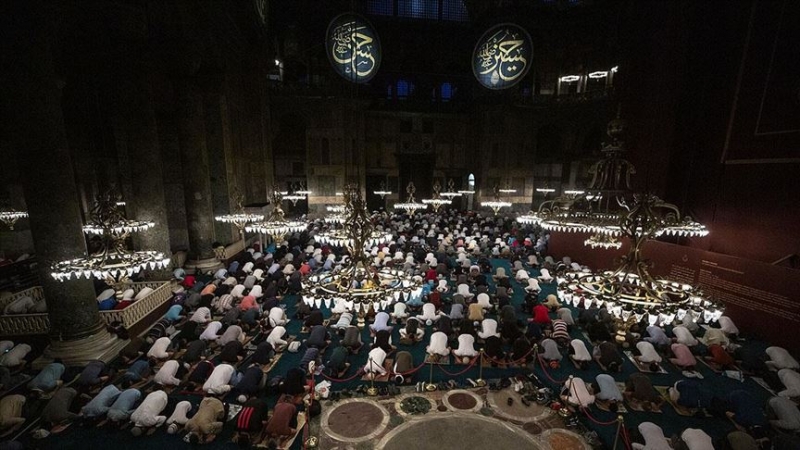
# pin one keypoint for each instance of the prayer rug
(633, 405)
(644, 367)
(437, 359)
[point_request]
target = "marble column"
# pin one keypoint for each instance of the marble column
(147, 202)
(196, 177)
(39, 136)
(218, 144)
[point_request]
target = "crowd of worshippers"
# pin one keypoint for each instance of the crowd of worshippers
(223, 331)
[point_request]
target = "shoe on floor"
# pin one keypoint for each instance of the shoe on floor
(510, 401)
(689, 374)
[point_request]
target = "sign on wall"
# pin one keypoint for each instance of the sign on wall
(502, 56)
(353, 47)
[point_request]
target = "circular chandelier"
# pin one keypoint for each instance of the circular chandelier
(358, 284)
(611, 210)
(9, 216)
(411, 204)
(496, 204)
(383, 192)
(276, 226)
(114, 263)
(436, 201)
(451, 191)
(239, 218)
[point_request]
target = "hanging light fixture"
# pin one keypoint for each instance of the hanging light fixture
(276, 226)
(239, 218)
(436, 201)
(451, 192)
(360, 286)
(114, 263)
(382, 191)
(496, 204)
(411, 204)
(9, 216)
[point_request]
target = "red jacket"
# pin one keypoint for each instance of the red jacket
(541, 314)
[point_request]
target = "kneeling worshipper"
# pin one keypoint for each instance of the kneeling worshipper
(576, 394)
(275, 338)
(57, 411)
(639, 389)
(345, 320)
(295, 381)
(337, 365)
(783, 413)
(488, 328)
(48, 379)
(466, 348)
(201, 316)
(438, 345)
(739, 440)
(728, 327)
(606, 390)
(160, 349)
(715, 336)
(318, 337)
(352, 339)
(684, 359)
(170, 373)
(779, 359)
(654, 438)
(690, 393)
(791, 381)
(178, 417)
(560, 332)
(381, 323)
(696, 439)
(251, 382)
(206, 423)
(475, 313)
(375, 363)
(11, 413)
(123, 406)
(607, 355)
(16, 356)
(429, 314)
(579, 353)
(137, 372)
(98, 407)
(383, 339)
(250, 421)
(648, 355)
(277, 317)
(684, 336)
(412, 332)
(719, 357)
(211, 333)
(147, 417)
(745, 410)
(218, 382)
(232, 333)
(95, 372)
(283, 422)
(403, 363)
(551, 353)
(311, 355)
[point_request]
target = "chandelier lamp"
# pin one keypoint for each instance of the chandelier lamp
(276, 226)
(239, 218)
(496, 204)
(612, 211)
(436, 201)
(382, 191)
(451, 192)
(9, 216)
(359, 285)
(411, 204)
(114, 263)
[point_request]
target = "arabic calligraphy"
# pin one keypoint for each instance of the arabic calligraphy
(502, 57)
(354, 48)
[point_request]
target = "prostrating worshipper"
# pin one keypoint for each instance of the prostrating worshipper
(475, 313)
(429, 314)
(654, 438)
(160, 350)
(684, 336)
(607, 355)
(195, 351)
(565, 314)
(739, 440)
(231, 353)
(684, 359)
(337, 364)
(218, 382)
(466, 348)
(16, 356)
(690, 393)
(283, 422)
(277, 317)
(779, 358)
(576, 394)
(791, 381)
(552, 303)
(400, 312)
(751, 360)
(375, 359)
(95, 372)
(275, 338)
(48, 379)
(639, 389)
(147, 417)
(412, 332)
(782, 412)
(178, 417)
(138, 371)
(122, 408)
(648, 356)
(232, 333)
(493, 348)
(696, 439)
(438, 345)
(250, 421)
(728, 327)
(352, 339)
(11, 413)
(719, 357)
(715, 336)
(56, 413)
(311, 355)
(345, 320)
(579, 353)
(170, 373)
(295, 381)
(521, 350)
(745, 410)
(211, 333)
(541, 315)
(99, 406)
(403, 363)
(488, 328)
(318, 337)
(206, 423)
(201, 316)
(314, 318)
(606, 390)
(551, 353)
(251, 382)
(383, 339)
(657, 337)
(484, 300)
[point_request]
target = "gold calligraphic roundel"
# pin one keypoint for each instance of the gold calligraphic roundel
(353, 47)
(502, 56)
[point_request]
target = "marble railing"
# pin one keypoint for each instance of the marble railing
(233, 249)
(33, 324)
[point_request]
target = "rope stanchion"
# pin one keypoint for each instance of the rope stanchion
(508, 363)
(544, 369)
(471, 364)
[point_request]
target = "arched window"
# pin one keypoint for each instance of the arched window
(471, 182)
(404, 88)
(446, 92)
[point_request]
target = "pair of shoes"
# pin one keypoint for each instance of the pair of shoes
(691, 374)
(419, 387)
(383, 391)
(472, 382)
(452, 384)
(362, 389)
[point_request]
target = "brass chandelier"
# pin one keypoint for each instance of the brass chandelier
(436, 201)
(411, 204)
(359, 285)
(496, 204)
(276, 226)
(114, 263)
(612, 211)
(239, 218)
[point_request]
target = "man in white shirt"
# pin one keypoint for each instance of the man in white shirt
(784, 413)
(147, 415)
(684, 336)
(576, 394)
(159, 349)
(374, 366)
(166, 376)
(696, 439)
(579, 353)
(202, 315)
(275, 338)
(218, 382)
(654, 438)
(781, 359)
(438, 345)
(648, 356)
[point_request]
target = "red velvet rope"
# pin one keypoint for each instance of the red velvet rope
(471, 364)
(544, 369)
(508, 363)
